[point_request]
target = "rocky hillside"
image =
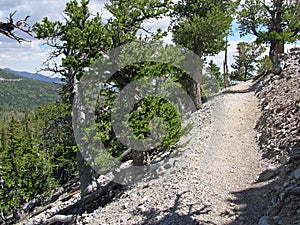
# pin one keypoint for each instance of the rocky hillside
(279, 137)
(224, 176)
(213, 179)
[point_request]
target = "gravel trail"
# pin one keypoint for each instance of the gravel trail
(216, 183)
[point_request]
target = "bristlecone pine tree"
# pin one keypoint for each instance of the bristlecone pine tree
(245, 61)
(201, 26)
(274, 22)
(80, 40)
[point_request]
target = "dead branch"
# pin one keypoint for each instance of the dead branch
(10, 26)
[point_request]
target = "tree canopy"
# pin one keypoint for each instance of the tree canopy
(245, 61)
(81, 39)
(202, 25)
(274, 22)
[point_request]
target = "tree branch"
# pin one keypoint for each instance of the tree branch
(7, 29)
(267, 7)
(296, 31)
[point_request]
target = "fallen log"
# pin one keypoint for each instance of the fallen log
(61, 219)
(94, 200)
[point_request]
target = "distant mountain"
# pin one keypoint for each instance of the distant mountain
(23, 94)
(34, 76)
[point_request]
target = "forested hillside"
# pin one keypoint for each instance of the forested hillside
(23, 94)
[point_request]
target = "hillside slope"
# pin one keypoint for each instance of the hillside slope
(279, 127)
(218, 182)
(229, 173)
(215, 183)
(18, 93)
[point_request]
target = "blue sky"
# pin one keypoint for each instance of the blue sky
(30, 56)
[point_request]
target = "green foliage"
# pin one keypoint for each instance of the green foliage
(36, 154)
(129, 16)
(273, 22)
(213, 79)
(78, 41)
(25, 168)
(83, 38)
(56, 138)
(202, 25)
(149, 119)
(245, 62)
(22, 94)
(143, 111)
(38, 151)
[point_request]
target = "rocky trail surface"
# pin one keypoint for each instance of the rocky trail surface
(218, 181)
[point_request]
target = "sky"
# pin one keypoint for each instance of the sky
(29, 56)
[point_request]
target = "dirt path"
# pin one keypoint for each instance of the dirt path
(216, 184)
(236, 164)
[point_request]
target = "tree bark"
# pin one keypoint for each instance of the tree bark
(196, 93)
(276, 45)
(138, 158)
(225, 66)
(276, 48)
(195, 89)
(87, 175)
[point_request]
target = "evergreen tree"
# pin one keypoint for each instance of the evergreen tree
(245, 61)
(3, 136)
(273, 22)
(52, 130)
(81, 40)
(25, 169)
(214, 71)
(201, 26)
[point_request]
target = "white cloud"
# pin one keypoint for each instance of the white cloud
(25, 56)
(30, 56)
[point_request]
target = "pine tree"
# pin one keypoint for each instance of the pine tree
(25, 171)
(201, 26)
(246, 59)
(83, 38)
(274, 22)
(215, 72)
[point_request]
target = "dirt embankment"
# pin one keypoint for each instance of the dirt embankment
(279, 127)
